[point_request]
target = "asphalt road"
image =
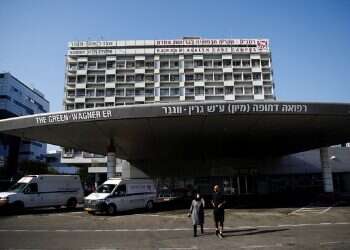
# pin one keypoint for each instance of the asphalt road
(303, 228)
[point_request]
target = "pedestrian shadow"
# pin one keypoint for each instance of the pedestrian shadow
(253, 231)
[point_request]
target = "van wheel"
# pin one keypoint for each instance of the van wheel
(111, 209)
(72, 203)
(149, 205)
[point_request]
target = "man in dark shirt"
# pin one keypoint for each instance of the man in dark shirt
(219, 212)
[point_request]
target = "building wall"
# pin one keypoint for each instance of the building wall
(111, 73)
(17, 99)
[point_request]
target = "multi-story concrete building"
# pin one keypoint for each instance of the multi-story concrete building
(110, 73)
(17, 99)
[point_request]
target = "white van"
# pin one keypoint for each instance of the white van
(44, 191)
(120, 195)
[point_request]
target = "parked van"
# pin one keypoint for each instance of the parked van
(44, 191)
(120, 195)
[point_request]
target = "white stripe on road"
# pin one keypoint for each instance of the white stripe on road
(170, 229)
(262, 246)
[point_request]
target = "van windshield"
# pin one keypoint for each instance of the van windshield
(18, 187)
(105, 188)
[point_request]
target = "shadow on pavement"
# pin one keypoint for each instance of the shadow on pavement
(232, 233)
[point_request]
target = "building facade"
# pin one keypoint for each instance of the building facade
(111, 73)
(17, 99)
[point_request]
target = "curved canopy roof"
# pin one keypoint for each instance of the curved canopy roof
(190, 130)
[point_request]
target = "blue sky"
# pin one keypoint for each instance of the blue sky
(310, 40)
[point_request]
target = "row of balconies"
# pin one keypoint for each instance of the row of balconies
(169, 99)
(82, 96)
(227, 76)
(169, 64)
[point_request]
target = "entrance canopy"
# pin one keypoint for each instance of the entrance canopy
(190, 130)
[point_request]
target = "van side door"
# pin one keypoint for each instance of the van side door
(120, 198)
(31, 196)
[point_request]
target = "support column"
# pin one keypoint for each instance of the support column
(326, 171)
(111, 163)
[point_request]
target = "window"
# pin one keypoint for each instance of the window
(208, 63)
(82, 65)
(219, 91)
(164, 92)
(80, 92)
(149, 92)
(174, 64)
(101, 79)
(71, 79)
(217, 63)
(164, 78)
(174, 78)
(247, 77)
(120, 78)
(130, 64)
(198, 77)
(149, 64)
(164, 64)
(209, 91)
(264, 63)
(130, 78)
(188, 64)
(119, 92)
(139, 92)
(121, 190)
(227, 62)
(199, 91)
(120, 64)
(140, 64)
(246, 63)
(189, 91)
(198, 63)
(109, 92)
(81, 79)
(236, 63)
(237, 77)
(248, 91)
(110, 65)
(188, 77)
(266, 76)
(256, 63)
(90, 92)
(209, 77)
(218, 77)
(31, 188)
(101, 65)
(150, 78)
(139, 77)
(257, 90)
(100, 92)
(228, 90)
(91, 79)
(228, 76)
(256, 76)
(110, 78)
(130, 92)
(239, 91)
(174, 92)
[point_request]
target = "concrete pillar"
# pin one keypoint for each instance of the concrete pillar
(326, 171)
(111, 162)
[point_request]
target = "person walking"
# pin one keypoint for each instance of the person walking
(197, 213)
(218, 203)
